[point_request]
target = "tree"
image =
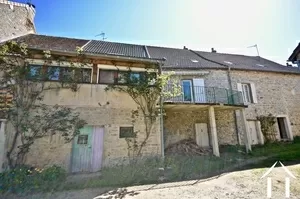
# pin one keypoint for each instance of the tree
(146, 89)
(30, 117)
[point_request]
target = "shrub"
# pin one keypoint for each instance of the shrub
(26, 179)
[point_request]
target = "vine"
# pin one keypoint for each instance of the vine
(145, 89)
(267, 127)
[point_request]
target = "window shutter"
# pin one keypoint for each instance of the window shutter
(253, 91)
(239, 87)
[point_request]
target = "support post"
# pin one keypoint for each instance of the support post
(213, 131)
(247, 136)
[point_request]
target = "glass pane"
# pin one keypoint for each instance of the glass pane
(187, 94)
(53, 73)
(86, 75)
(122, 77)
(107, 77)
(67, 74)
(34, 71)
(135, 77)
(82, 139)
(126, 132)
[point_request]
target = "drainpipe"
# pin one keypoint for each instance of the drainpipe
(161, 118)
(235, 116)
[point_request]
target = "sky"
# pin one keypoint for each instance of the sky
(228, 26)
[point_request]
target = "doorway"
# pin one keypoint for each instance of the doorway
(87, 150)
(282, 128)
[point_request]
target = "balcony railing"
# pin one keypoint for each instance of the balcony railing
(204, 95)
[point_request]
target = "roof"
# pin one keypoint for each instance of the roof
(243, 62)
(296, 51)
(180, 58)
(112, 48)
(51, 42)
(174, 58)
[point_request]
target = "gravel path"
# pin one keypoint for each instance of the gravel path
(236, 185)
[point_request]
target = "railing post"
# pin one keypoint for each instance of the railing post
(227, 96)
(214, 92)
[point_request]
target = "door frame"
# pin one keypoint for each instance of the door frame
(287, 126)
(72, 148)
(191, 89)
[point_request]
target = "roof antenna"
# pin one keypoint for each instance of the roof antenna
(102, 34)
(256, 48)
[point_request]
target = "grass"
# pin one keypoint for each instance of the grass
(179, 168)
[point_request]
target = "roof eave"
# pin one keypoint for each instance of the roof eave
(92, 55)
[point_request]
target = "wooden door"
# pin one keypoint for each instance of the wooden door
(199, 90)
(82, 150)
(97, 147)
(202, 138)
(253, 132)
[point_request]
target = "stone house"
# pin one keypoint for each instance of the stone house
(108, 113)
(229, 89)
(221, 97)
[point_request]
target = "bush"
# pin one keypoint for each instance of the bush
(29, 179)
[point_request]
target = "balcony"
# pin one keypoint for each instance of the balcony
(203, 95)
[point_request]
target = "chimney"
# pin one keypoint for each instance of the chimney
(213, 50)
(185, 48)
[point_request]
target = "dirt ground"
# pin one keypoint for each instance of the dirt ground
(235, 185)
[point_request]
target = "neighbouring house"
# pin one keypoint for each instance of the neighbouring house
(16, 19)
(295, 56)
(221, 91)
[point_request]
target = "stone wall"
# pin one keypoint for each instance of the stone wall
(181, 125)
(277, 94)
(108, 109)
(16, 19)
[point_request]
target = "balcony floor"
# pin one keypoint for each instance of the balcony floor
(188, 106)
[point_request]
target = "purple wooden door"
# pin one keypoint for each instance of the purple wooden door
(97, 148)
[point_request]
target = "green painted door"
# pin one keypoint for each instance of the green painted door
(82, 150)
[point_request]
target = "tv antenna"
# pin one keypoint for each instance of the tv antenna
(102, 34)
(255, 47)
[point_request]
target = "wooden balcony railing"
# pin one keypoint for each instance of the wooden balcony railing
(204, 95)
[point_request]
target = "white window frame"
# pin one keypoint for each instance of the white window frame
(247, 93)
(252, 92)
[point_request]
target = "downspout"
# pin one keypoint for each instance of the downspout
(161, 117)
(235, 116)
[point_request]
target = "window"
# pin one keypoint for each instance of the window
(53, 73)
(56, 73)
(35, 71)
(126, 132)
(118, 77)
(82, 139)
(83, 75)
(247, 95)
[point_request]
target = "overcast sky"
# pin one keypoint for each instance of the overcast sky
(228, 26)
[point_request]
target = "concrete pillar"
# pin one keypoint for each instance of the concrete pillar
(2, 143)
(247, 136)
(213, 130)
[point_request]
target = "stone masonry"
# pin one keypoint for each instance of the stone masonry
(109, 109)
(16, 19)
(277, 94)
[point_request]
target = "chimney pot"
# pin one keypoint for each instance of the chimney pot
(185, 48)
(213, 50)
